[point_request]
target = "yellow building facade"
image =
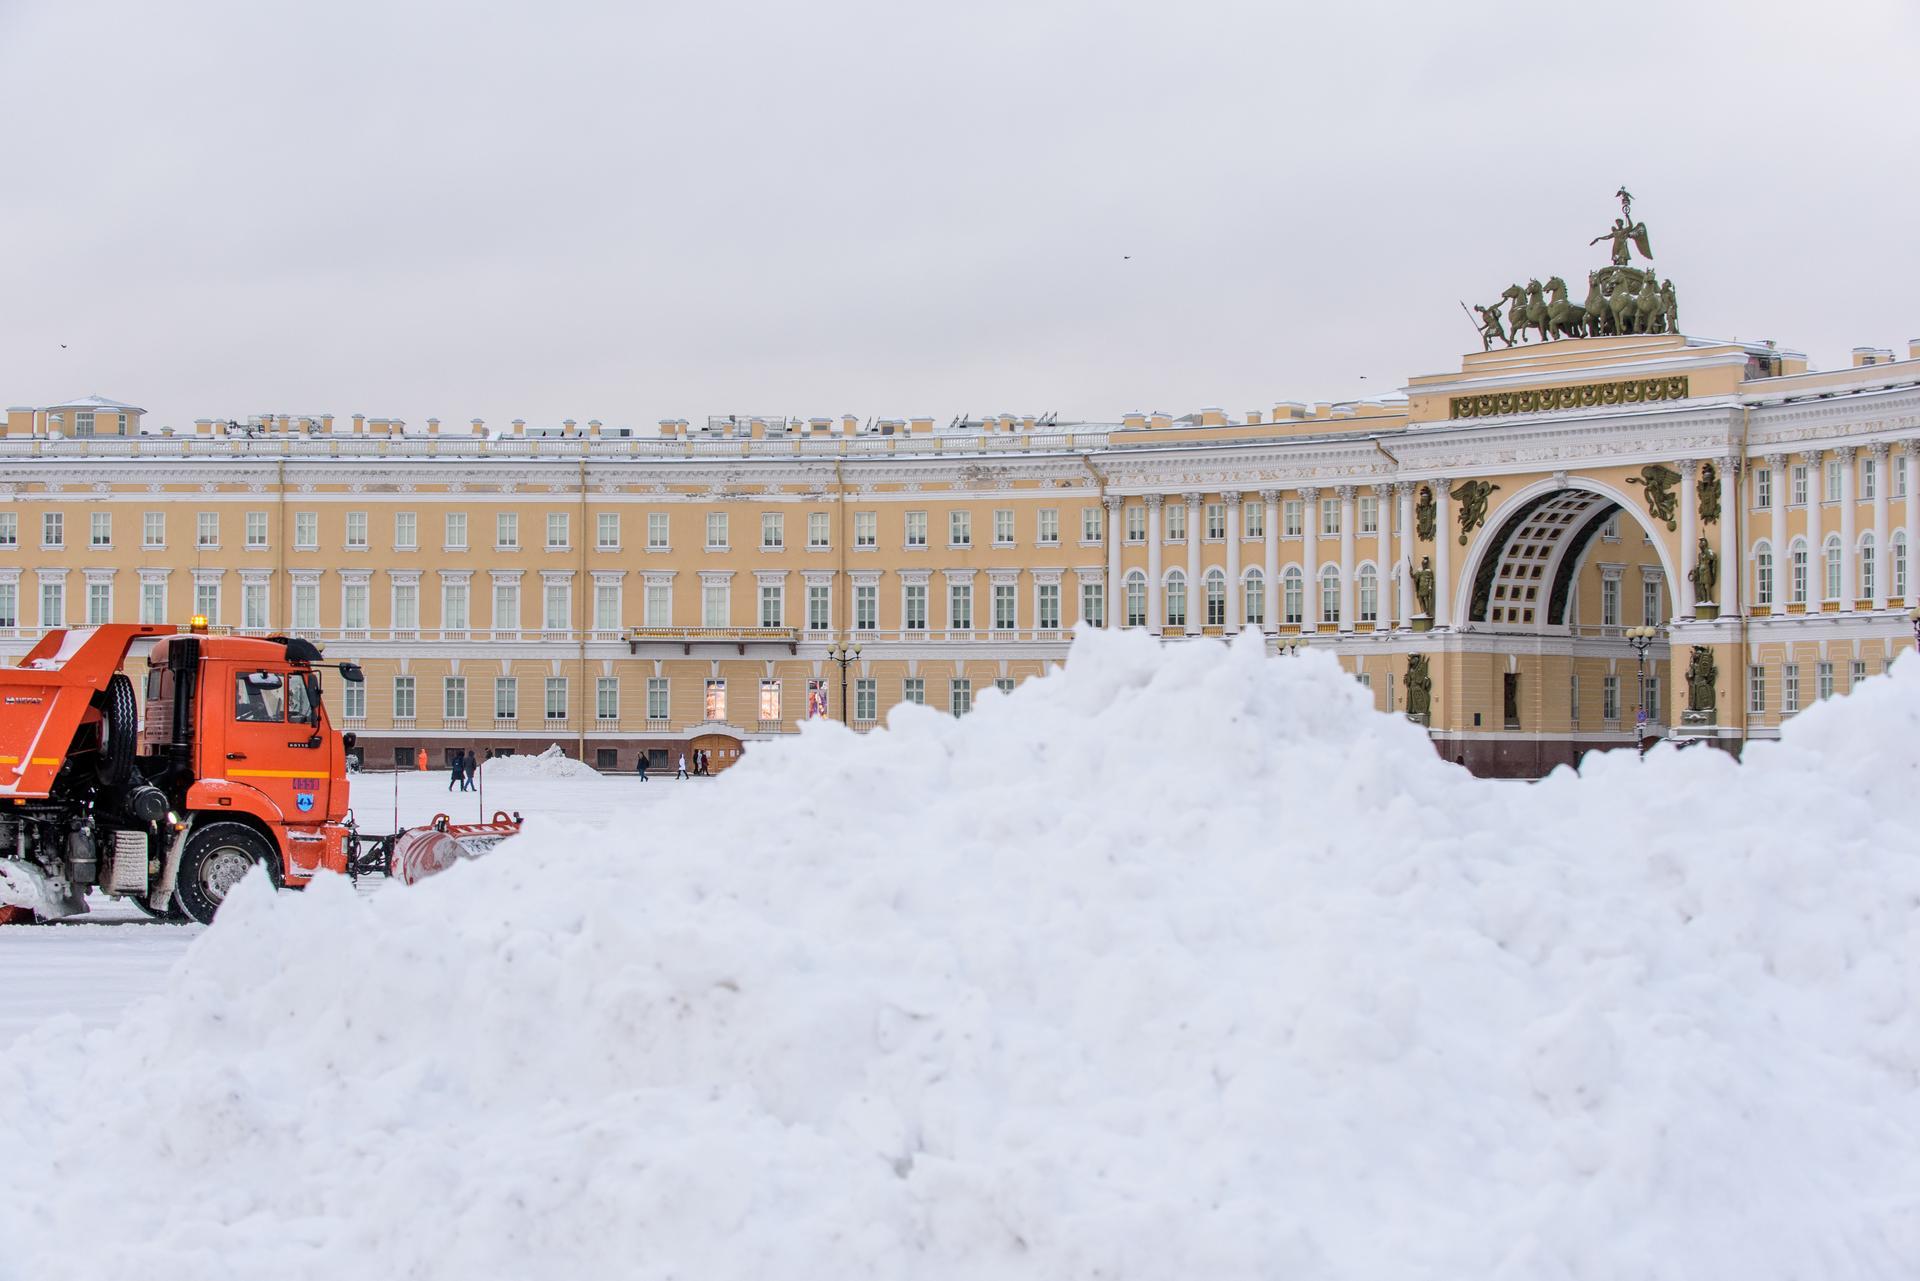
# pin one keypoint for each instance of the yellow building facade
(1496, 533)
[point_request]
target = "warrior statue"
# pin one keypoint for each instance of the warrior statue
(1490, 326)
(1671, 306)
(1659, 481)
(1701, 675)
(1423, 586)
(1706, 571)
(1419, 686)
(1472, 496)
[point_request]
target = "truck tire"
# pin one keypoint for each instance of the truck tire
(119, 732)
(215, 859)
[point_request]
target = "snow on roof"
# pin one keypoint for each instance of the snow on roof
(97, 402)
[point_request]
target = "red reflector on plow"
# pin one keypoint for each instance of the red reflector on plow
(424, 851)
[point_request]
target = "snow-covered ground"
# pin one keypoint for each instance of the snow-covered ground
(1182, 963)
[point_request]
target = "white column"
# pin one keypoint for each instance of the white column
(1113, 533)
(1882, 527)
(1405, 490)
(1196, 599)
(1153, 562)
(1816, 556)
(1849, 583)
(1271, 497)
(1346, 558)
(1730, 560)
(1913, 521)
(1781, 467)
(1235, 597)
(1442, 552)
(1689, 474)
(1309, 538)
(1383, 556)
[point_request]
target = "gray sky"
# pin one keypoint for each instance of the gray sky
(633, 211)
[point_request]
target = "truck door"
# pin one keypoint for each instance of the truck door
(274, 741)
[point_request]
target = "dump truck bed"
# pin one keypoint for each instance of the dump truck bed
(45, 700)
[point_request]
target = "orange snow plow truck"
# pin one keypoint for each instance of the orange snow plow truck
(236, 766)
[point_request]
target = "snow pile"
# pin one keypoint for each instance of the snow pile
(552, 763)
(1178, 964)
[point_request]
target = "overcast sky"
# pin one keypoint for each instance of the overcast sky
(632, 211)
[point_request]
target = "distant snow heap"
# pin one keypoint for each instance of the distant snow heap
(552, 763)
(1180, 963)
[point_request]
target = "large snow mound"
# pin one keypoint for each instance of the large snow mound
(552, 763)
(1179, 963)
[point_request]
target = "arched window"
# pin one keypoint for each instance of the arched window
(1830, 581)
(1369, 595)
(1293, 596)
(1798, 581)
(1330, 595)
(1216, 598)
(1869, 572)
(1176, 598)
(1900, 566)
(1256, 588)
(1763, 574)
(1136, 599)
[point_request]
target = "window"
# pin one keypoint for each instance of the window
(253, 606)
(256, 530)
(960, 606)
(1216, 587)
(866, 606)
(772, 605)
(1756, 689)
(556, 698)
(53, 530)
(1763, 575)
(306, 531)
(716, 700)
(913, 607)
(1049, 528)
(1610, 602)
(1253, 518)
(657, 610)
(1900, 479)
(606, 607)
(1255, 589)
(1763, 487)
(207, 529)
(206, 600)
(1047, 606)
(1855, 674)
(1136, 524)
(1329, 595)
(916, 529)
(353, 606)
(866, 699)
(1799, 478)
(100, 529)
(99, 603)
(1292, 519)
(1610, 698)
(83, 422)
(1369, 515)
(406, 606)
(559, 531)
(657, 704)
(1093, 603)
(1900, 566)
(1797, 579)
(1003, 526)
(306, 607)
(1867, 558)
(1869, 478)
(1833, 479)
(453, 698)
(1823, 680)
(556, 600)
(506, 531)
(770, 700)
(959, 529)
(153, 530)
(1176, 593)
(1831, 560)
(1650, 602)
(606, 535)
(915, 690)
(1005, 611)
(356, 529)
(606, 698)
(10, 605)
(1175, 515)
(1369, 604)
(1216, 518)
(1329, 516)
(866, 529)
(716, 531)
(456, 531)
(716, 609)
(773, 531)
(1293, 604)
(506, 698)
(657, 531)
(153, 603)
(353, 701)
(453, 606)
(1092, 527)
(403, 698)
(1611, 530)
(506, 605)
(960, 697)
(819, 607)
(1004, 684)
(819, 530)
(1136, 599)
(1790, 687)
(406, 531)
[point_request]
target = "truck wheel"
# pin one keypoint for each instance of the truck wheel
(119, 734)
(215, 859)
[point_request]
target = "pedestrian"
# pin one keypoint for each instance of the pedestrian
(640, 766)
(473, 768)
(457, 772)
(682, 771)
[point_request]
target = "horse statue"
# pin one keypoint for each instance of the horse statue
(1599, 319)
(1564, 319)
(1527, 310)
(1623, 308)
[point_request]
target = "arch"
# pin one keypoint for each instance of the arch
(1254, 592)
(1134, 598)
(1329, 587)
(1214, 586)
(1584, 522)
(1293, 596)
(1764, 586)
(1366, 604)
(1174, 598)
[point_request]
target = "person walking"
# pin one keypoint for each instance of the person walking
(457, 772)
(682, 771)
(640, 766)
(473, 768)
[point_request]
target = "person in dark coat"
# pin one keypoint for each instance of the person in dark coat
(457, 772)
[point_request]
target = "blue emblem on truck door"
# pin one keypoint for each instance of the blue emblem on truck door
(304, 800)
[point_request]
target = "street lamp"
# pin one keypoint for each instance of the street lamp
(1641, 638)
(844, 655)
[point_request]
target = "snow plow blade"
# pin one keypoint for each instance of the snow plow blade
(415, 854)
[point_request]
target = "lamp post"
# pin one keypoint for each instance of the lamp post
(844, 655)
(1641, 638)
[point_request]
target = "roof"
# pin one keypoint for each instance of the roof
(97, 402)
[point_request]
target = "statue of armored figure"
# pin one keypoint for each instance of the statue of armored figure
(1419, 686)
(1701, 677)
(1424, 514)
(1706, 571)
(1423, 586)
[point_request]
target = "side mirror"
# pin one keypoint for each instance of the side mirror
(351, 673)
(348, 739)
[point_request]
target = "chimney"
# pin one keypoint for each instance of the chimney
(203, 426)
(593, 428)
(479, 426)
(433, 426)
(569, 428)
(667, 426)
(849, 425)
(1253, 417)
(519, 426)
